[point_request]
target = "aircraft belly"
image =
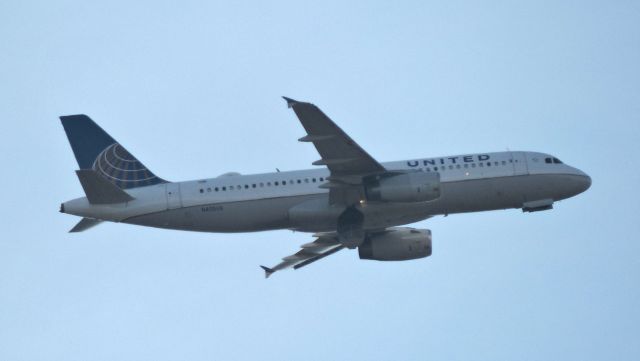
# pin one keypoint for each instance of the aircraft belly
(384, 215)
(492, 193)
(478, 195)
(243, 216)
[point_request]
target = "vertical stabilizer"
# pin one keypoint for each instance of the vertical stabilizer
(95, 149)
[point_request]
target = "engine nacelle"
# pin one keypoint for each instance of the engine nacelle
(406, 187)
(397, 244)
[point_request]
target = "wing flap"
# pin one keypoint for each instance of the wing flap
(310, 252)
(318, 257)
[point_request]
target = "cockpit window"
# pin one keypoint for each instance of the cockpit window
(548, 160)
(552, 160)
(557, 161)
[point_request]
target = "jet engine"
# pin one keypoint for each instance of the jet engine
(405, 187)
(397, 244)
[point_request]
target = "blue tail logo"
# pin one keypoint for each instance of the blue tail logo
(95, 149)
(121, 168)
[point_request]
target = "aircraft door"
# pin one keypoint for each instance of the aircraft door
(174, 200)
(519, 162)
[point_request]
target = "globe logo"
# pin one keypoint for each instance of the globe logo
(118, 166)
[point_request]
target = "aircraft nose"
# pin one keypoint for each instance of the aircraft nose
(584, 181)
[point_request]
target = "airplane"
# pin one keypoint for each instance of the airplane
(352, 201)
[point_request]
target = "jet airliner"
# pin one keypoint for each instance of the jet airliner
(350, 201)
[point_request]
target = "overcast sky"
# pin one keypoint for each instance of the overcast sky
(193, 90)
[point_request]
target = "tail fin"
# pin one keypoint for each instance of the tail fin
(95, 149)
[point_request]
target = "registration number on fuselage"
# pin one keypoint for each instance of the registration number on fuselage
(212, 209)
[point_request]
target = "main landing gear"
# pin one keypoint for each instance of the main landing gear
(350, 227)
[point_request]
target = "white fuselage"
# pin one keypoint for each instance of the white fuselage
(244, 203)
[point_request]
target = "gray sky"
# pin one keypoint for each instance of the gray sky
(193, 90)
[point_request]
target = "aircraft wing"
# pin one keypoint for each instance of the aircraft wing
(326, 244)
(346, 160)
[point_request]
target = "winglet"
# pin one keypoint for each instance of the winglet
(290, 102)
(267, 271)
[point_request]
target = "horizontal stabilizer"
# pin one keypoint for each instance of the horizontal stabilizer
(84, 224)
(99, 190)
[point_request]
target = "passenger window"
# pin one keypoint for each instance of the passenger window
(201, 190)
(230, 188)
(480, 164)
(435, 169)
(224, 188)
(284, 183)
(466, 165)
(253, 185)
(216, 189)
(488, 164)
(276, 183)
(261, 184)
(504, 162)
(299, 181)
(314, 180)
(473, 165)
(306, 180)
(458, 166)
(321, 179)
(209, 189)
(450, 167)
